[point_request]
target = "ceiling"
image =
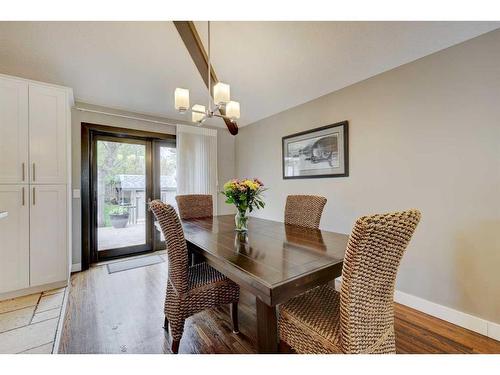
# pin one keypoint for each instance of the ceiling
(271, 66)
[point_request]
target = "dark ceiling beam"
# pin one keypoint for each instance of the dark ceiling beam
(192, 41)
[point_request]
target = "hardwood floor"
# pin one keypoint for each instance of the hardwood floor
(123, 313)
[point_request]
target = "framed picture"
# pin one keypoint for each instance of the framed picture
(317, 153)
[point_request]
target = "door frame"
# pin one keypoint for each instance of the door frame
(89, 132)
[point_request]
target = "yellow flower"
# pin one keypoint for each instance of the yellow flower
(242, 185)
(251, 185)
(230, 185)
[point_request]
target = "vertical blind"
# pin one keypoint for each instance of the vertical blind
(197, 161)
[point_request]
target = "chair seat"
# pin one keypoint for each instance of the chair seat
(310, 323)
(208, 288)
(202, 276)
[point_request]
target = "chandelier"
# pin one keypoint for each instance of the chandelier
(222, 105)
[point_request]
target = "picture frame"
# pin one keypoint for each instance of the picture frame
(317, 153)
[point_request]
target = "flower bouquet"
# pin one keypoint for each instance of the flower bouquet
(246, 195)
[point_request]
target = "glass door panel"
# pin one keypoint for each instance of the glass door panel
(165, 178)
(168, 183)
(121, 196)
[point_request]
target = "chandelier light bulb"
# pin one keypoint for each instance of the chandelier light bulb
(181, 99)
(196, 115)
(233, 110)
(221, 93)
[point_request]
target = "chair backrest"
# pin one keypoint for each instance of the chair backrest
(304, 210)
(192, 206)
(374, 251)
(176, 244)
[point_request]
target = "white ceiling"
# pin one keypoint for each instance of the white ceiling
(271, 66)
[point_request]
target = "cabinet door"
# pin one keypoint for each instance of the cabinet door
(48, 233)
(47, 139)
(13, 131)
(14, 238)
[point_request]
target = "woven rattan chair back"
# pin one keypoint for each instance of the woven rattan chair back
(176, 244)
(192, 206)
(304, 210)
(371, 262)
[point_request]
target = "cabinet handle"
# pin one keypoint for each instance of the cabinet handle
(34, 201)
(24, 174)
(23, 195)
(33, 171)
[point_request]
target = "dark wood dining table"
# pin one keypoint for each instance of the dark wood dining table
(274, 261)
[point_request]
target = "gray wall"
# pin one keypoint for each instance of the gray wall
(424, 135)
(225, 156)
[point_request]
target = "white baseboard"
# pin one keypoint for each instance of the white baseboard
(76, 267)
(494, 330)
(459, 318)
(442, 312)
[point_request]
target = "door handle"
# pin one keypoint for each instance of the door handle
(34, 200)
(33, 171)
(23, 194)
(23, 166)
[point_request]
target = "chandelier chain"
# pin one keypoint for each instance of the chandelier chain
(209, 68)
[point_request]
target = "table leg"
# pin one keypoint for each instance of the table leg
(190, 257)
(193, 257)
(267, 328)
(197, 258)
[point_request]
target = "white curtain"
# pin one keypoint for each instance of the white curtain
(197, 161)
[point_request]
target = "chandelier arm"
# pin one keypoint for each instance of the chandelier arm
(196, 111)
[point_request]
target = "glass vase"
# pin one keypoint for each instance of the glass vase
(241, 221)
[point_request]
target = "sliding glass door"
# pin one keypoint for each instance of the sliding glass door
(127, 170)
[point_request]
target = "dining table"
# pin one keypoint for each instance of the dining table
(272, 260)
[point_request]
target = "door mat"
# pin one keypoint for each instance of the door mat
(134, 263)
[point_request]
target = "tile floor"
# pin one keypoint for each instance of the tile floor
(29, 324)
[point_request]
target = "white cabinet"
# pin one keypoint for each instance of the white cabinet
(48, 254)
(14, 238)
(33, 133)
(13, 131)
(47, 135)
(35, 237)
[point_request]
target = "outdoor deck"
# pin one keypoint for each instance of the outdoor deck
(112, 238)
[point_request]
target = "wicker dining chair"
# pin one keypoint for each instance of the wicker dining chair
(192, 206)
(359, 319)
(189, 289)
(304, 210)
